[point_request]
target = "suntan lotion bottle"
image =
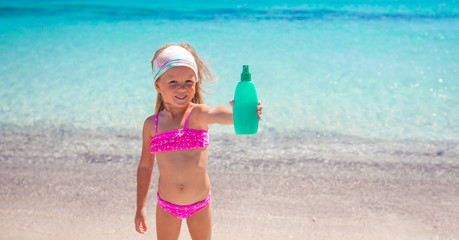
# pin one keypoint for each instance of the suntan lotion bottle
(245, 105)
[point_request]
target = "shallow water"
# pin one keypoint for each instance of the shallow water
(375, 71)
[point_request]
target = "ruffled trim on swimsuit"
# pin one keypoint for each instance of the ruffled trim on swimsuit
(181, 139)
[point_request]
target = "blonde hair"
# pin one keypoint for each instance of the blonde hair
(205, 74)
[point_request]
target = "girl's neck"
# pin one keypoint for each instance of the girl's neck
(174, 112)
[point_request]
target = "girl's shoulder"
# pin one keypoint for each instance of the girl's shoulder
(149, 125)
(199, 115)
(201, 111)
(201, 107)
(150, 119)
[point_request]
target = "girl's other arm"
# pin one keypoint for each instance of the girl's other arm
(144, 174)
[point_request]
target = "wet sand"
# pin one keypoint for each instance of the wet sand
(76, 184)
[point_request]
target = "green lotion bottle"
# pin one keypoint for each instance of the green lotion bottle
(245, 105)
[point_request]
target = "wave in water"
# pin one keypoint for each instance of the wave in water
(138, 13)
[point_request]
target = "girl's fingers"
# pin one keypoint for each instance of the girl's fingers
(259, 107)
(141, 227)
(259, 112)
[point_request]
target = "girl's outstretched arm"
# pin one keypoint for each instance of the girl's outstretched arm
(224, 115)
(220, 115)
(144, 174)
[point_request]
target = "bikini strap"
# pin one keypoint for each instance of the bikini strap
(156, 123)
(187, 117)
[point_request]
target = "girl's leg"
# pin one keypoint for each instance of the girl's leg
(200, 224)
(167, 225)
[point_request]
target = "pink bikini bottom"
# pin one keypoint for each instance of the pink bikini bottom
(183, 211)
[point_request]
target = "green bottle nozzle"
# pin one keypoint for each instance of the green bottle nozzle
(245, 75)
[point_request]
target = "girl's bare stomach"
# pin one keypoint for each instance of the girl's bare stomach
(183, 176)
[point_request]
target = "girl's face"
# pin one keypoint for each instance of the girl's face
(177, 86)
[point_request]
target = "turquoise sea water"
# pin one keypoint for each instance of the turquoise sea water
(369, 69)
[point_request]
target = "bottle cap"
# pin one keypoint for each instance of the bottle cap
(245, 75)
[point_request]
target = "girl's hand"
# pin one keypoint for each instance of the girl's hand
(140, 225)
(259, 109)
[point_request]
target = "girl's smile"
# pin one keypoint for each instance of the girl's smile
(181, 98)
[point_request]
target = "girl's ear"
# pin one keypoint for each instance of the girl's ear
(158, 89)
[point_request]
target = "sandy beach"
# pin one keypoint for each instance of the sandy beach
(76, 184)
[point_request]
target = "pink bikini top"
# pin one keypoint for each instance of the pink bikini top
(179, 139)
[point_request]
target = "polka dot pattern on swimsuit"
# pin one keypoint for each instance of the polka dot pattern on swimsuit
(183, 211)
(179, 139)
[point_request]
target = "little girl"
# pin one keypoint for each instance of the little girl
(178, 136)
